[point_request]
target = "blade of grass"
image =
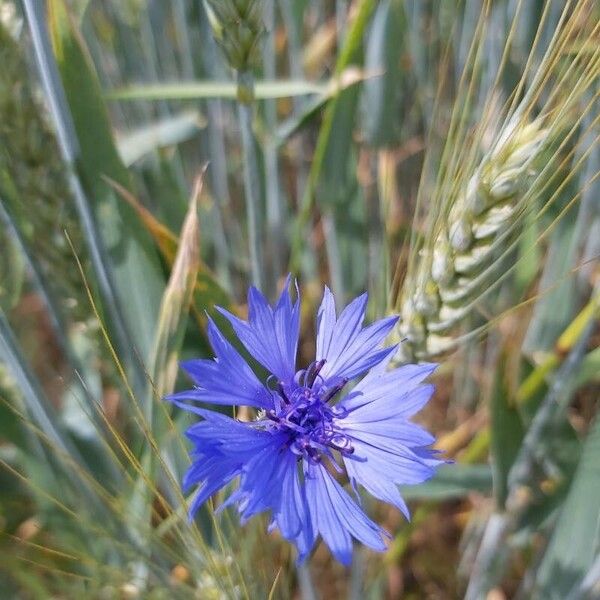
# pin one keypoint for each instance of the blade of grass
(506, 430)
(55, 95)
(575, 541)
(132, 256)
(171, 131)
(252, 178)
(201, 90)
(275, 241)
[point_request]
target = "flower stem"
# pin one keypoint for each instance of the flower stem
(307, 589)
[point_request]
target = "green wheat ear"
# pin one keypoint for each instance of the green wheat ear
(238, 28)
(461, 262)
(477, 207)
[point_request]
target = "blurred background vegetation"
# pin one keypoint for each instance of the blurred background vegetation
(158, 157)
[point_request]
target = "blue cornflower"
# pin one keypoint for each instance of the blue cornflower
(307, 428)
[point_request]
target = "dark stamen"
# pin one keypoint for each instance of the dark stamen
(313, 372)
(334, 390)
(281, 392)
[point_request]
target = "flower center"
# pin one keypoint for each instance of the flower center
(303, 412)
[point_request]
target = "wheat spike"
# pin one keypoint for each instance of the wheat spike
(477, 206)
(454, 271)
(238, 29)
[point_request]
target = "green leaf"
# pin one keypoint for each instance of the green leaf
(507, 432)
(329, 170)
(133, 257)
(171, 131)
(380, 95)
(576, 539)
(554, 309)
(451, 481)
(198, 90)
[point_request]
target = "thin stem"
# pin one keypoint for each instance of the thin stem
(298, 145)
(273, 196)
(357, 575)
(377, 265)
(332, 249)
(225, 237)
(307, 589)
(251, 174)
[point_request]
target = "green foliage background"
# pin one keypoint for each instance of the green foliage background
(158, 157)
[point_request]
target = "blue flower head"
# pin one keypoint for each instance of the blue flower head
(310, 431)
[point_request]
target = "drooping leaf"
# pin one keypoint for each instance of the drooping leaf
(196, 90)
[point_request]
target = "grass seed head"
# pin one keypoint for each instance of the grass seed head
(238, 28)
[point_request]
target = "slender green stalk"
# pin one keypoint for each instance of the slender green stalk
(251, 175)
(307, 590)
(225, 238)
(298, 144)
(275, 240)
(238, 28)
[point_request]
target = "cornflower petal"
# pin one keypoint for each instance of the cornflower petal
(347, 348)
(395, 463)
(220, 479)
(229, 436)
(337, 517)
(378, 486)
(387, 447)
(226, 380)
(390, 391)
(270, 334)
(291, 512)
